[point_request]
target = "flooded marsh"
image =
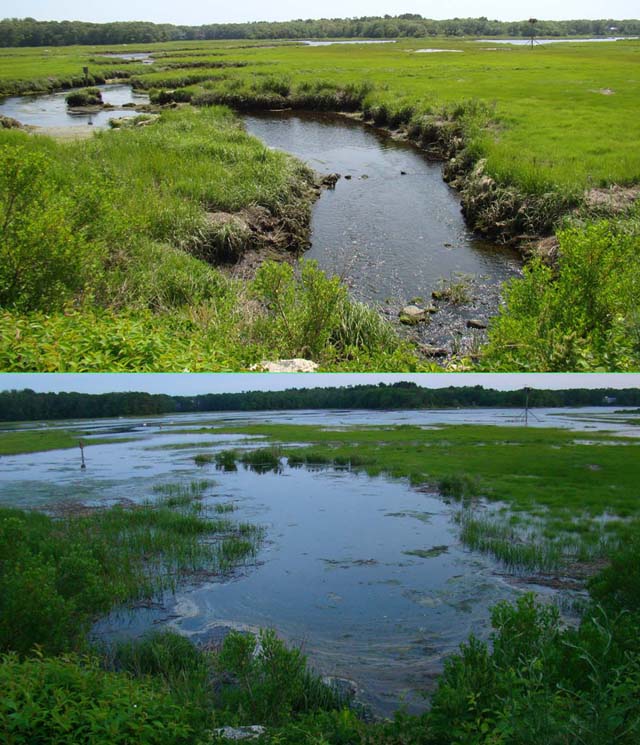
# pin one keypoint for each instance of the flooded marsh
(381, 606)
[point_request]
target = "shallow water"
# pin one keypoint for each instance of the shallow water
(333, 574)
(524, 42)
(392, 236)
(318, 43)
(51, 110)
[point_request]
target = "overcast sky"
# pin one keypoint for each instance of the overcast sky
(180, 384)
(194, 12)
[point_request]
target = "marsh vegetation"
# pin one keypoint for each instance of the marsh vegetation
(546, 504)
(144, 271)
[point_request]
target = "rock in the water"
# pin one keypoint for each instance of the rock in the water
(240, 733)
(412, 314)
(330, 180)
(297, 364)
(476, 323)
(348, 177)
(429, 351)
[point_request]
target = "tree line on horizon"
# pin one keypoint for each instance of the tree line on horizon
(29, 32)
(27, 405)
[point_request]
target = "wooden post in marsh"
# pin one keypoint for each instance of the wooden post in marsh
(85, 71)
(532, 23)
(83, 465)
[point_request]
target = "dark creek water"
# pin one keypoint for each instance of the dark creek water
(51, 110)
(392, 228)
(336, 572)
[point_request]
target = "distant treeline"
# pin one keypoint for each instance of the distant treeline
(27, 32)
(27, 405)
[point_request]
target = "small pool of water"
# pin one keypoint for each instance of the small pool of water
(391, 228)
(144, 57)
(361, 607)
(51, 110)
(524, 42)
(318, 43)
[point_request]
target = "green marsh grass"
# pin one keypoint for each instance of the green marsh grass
(59, 574)
(553, 127)
(16, 442)
(262, 460)
(116, 246)
(226, 460)
(105, 265)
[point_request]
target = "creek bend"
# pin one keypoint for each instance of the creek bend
(391, 228)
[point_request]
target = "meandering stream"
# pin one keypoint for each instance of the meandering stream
(50, 110)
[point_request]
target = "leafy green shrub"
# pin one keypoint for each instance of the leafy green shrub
(45, 258)
(71, 700)
(103, 340)
(49, 588)
(182, 668)
(617, 586)
(540, 684)
(580, 315)
(301, 312)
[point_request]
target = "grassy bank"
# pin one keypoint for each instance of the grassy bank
(114, 245)
(14, 443)
(534, 140)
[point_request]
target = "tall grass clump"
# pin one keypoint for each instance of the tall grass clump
(84, 97)
(226, 460)
(262, 460)
(57, 575)
(272, 683)
(459, 485)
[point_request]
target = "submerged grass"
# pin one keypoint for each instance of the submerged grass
(558, 500)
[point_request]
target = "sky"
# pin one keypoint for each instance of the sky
(186, 384)
(195, 12)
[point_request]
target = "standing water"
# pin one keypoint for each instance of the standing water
(381, 605)
(51, 110)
